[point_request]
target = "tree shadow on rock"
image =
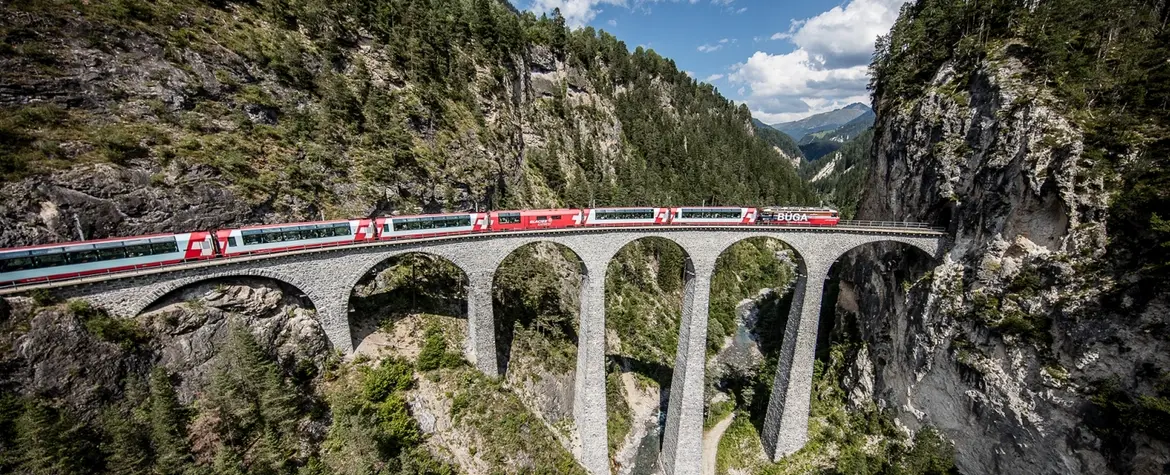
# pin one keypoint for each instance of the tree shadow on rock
(407, 285)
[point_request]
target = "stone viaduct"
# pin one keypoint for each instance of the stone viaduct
(328, 276)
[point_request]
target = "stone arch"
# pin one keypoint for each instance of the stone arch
(929, 246)
(360, 327)
(679, 271)
(574, 268)
(160, 292)
(324, 305)
(730, 366)
(898, 262)
(786, 424)
(674, 282)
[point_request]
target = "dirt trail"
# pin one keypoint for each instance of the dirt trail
(711, 443)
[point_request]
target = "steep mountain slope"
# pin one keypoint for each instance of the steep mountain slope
(133, 117)
(783, 144)
(839, 177)
(824, 121)
(1038, 135)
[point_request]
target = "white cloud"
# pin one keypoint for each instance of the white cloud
(712, 78)
(721, 2)
(611, 22)
(792, 26)
(844, 37)
(724, 40)
(709, 48)
(828, 68)
(690, 74)
(576, 12)
(741, 10)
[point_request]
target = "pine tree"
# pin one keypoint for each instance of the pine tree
(256, 410)
(128, 442)
(168, 426)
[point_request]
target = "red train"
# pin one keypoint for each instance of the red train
(62, 261)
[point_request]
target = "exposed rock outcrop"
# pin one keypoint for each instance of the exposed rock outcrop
(56, 352)
(1005, 343)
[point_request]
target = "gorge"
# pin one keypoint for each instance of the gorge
(1036, 343)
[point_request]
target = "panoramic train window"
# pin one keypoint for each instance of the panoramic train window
(710, 213)
(509, 218)
(61, 256)
(625, 214)
(294, 233)
(431, 222)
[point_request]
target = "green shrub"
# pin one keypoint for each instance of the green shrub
(120, 146)
(395, 428)
(43, 297)
(931, 454)
(390, 376)
(126, 332)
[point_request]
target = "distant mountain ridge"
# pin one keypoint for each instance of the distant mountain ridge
(844, 133)
(824, 121)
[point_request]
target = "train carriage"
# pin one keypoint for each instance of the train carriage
(283, 237)
(799, 216)
(535, 219)
(62, 261)
(398, 227)
(712, 215)
(625, 216)
(78, 259)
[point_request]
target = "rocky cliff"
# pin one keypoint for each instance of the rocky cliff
(1038, 344)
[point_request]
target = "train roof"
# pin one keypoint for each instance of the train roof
(432, 215)
(800, 208)
(91, 242)
(539, 211)
(289, 225)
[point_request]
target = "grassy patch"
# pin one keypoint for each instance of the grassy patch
(716, 412)
(126, 332)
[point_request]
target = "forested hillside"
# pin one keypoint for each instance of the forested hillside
(783, 143)
(130, 117)
(845, 132)
(839, 177)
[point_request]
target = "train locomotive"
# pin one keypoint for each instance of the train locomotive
(79, 259)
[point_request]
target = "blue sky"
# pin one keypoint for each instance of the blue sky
(785, 59)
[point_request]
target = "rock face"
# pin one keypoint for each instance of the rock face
(189, 326)
(54, 353)
(1003, 345)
